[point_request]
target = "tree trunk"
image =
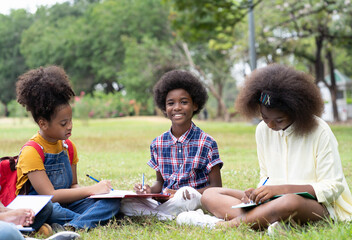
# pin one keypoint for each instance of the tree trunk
(332, 87)
(220, 110)
(319, 65)
(218, 95)
(221, 103)
(6, 110)
(109, 87)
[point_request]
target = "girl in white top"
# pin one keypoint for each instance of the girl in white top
(296, 150)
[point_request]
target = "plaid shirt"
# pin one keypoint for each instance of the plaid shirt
(186, 161)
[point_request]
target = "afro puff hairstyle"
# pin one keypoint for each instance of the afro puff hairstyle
(291, 92)
(180, 79)
(42, 90)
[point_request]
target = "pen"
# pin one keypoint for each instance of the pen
(265, 181)
(142, 180)
(95, 179)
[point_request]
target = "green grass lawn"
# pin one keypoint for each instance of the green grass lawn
(118, 149)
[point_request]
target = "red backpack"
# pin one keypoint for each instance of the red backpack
(8, 172)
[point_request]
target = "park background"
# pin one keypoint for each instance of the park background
(115, 50)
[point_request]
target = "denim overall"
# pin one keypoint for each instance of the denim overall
(84, 213)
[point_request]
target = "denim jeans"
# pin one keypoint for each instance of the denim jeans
(9, 231)
(84, 213)
(42, 216)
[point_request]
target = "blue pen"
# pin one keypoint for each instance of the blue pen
(95, 179)
(265, 181)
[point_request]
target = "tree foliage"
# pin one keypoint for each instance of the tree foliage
(88, 43)
(12, 62)
(126, 45)
(208, 28)
(210, 21)
(145, 62)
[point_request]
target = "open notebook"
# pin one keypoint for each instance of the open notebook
(128, 194)
(252, 204)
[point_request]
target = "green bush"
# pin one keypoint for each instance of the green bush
(16, 109)
(101, 105)
(96, 105)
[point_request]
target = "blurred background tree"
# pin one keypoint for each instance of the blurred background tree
(123, 47)
(12, 62)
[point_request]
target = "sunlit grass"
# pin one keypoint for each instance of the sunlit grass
(118, 149)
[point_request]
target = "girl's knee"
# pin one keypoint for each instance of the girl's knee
(205, 196)
(290, 203)
(299, 209)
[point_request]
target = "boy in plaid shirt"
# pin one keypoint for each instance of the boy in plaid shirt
(185, 158)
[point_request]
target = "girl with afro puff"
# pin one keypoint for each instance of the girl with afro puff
(46, 93)
(297, 152)
(185, 158)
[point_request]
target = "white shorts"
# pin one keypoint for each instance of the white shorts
(165, 211)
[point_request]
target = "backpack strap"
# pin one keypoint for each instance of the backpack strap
(27, 185)
(36, 147)
(41, 152)
(69, 149)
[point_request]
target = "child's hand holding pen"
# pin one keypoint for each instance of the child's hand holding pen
(251, 194)
(247, 193)
(101, 187)
(104, 186)
(140, 189)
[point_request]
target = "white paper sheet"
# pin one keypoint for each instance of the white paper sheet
(34, 202)
(114, 194)
(244, 205)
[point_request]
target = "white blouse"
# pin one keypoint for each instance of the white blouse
(311, 159)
